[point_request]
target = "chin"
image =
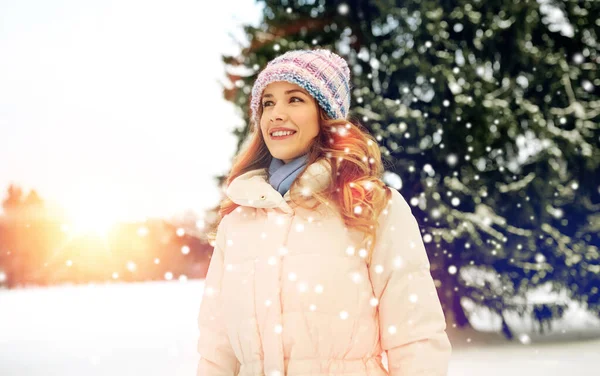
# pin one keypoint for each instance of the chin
(284, 156)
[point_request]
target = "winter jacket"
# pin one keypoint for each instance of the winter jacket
(288, 293)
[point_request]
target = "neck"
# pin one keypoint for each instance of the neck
(282, 175)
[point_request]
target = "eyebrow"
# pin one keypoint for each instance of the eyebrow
(288, 92)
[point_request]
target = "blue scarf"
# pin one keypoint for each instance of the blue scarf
(282, 175)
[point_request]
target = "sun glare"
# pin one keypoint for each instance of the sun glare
(91, 217)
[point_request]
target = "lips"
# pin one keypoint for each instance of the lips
(280, 129)
(283, 137)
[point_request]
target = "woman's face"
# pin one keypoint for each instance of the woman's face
(287, 105)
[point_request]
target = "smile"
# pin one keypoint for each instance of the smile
(282, 135)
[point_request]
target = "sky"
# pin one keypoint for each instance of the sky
(116, 106)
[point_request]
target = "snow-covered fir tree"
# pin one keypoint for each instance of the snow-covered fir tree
(487, 114)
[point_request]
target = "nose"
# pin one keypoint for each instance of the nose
(277, 112)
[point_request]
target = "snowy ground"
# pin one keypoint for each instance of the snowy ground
(150, 329)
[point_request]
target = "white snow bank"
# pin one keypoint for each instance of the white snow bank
(150, 329)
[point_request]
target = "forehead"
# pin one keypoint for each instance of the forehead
(281, 88)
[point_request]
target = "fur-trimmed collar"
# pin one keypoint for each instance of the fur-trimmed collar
(253, 189)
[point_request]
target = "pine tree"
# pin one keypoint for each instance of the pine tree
(487, 114)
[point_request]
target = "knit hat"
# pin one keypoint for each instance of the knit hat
(322, 73)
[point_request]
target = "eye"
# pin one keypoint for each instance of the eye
(266, 103)
(292, 99)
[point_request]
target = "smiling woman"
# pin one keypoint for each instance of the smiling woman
(317, 267)
(290, 120)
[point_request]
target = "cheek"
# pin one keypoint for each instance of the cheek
(314, 125)
(263, 129)
(310, 124)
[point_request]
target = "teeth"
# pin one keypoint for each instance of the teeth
(281, 133)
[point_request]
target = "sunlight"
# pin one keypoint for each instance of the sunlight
(90, 221)
(92, 214)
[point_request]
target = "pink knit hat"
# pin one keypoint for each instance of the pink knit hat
(322, 73)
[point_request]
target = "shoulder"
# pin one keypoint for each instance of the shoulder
(222, 230)
(398, 202)
(396, 213)
(240, 217)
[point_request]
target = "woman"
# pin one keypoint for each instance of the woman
(318, 267)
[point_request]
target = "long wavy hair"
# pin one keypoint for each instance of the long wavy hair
(356, 189)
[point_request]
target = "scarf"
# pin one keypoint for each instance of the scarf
(282, 175)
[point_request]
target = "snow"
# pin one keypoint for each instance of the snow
(150, 329)
(116, 329)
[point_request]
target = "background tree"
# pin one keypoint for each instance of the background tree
(37, 247)
(487, 115)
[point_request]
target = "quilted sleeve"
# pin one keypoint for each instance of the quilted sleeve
(216, 355)
(412, 323)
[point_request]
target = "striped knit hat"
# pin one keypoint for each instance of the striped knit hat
(322, 73)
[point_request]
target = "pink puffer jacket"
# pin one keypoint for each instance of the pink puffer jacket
(288, 293)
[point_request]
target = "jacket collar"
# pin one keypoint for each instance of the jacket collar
(253, 189)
